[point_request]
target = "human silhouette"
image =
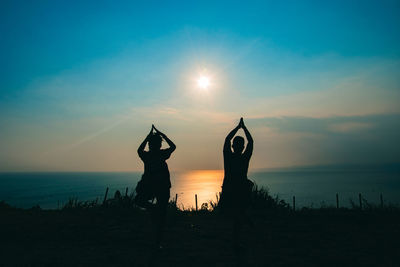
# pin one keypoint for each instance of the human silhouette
(155, 182)
(236, 187)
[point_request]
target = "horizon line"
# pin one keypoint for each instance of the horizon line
(298, 167)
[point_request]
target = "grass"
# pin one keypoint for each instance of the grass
(117, 233)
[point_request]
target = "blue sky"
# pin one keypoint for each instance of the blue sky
(81, 82)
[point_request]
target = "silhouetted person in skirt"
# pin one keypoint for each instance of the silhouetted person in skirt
(155, 182)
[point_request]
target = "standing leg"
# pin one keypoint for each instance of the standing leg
(161, 212)
(237, 228)
(238, 246)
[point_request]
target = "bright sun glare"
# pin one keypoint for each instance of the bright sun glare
(203, 82)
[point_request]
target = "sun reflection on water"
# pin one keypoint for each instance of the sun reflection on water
(205, 183)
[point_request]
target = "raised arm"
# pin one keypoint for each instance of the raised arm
(140, 150)
(249, 147)
(171, 144)
(228, 139)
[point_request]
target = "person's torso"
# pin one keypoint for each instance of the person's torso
(235, 167)
(156, 169)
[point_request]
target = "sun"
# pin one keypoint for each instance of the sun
(203, 82)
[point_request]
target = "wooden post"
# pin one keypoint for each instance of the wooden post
(294, 203)
(176, 198)
(195, 197)
(105, 196)
(381, 201)
(360, 198)
(337, 200)
(126, 192)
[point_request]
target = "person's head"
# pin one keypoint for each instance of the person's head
(238, 144)
(155, 142)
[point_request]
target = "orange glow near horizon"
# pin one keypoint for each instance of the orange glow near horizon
(205, 183)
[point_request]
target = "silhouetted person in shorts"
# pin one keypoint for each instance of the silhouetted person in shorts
(155, 182)
(236, 188)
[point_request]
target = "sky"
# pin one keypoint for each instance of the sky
(81, 82)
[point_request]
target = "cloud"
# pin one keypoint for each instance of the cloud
(291, 140)
(325, 125)
(347, 127)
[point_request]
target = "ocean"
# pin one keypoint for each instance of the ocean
(312, 187)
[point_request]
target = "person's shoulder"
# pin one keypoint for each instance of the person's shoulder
(246, 155)
(228, 153)
(166, 151)
(145, 153)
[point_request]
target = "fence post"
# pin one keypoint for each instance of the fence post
(195, 197)
(176, 198)
(126, 192)
(381, 197)
(337, 200)
(360, 198)
(105, 196)
(294, 203)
